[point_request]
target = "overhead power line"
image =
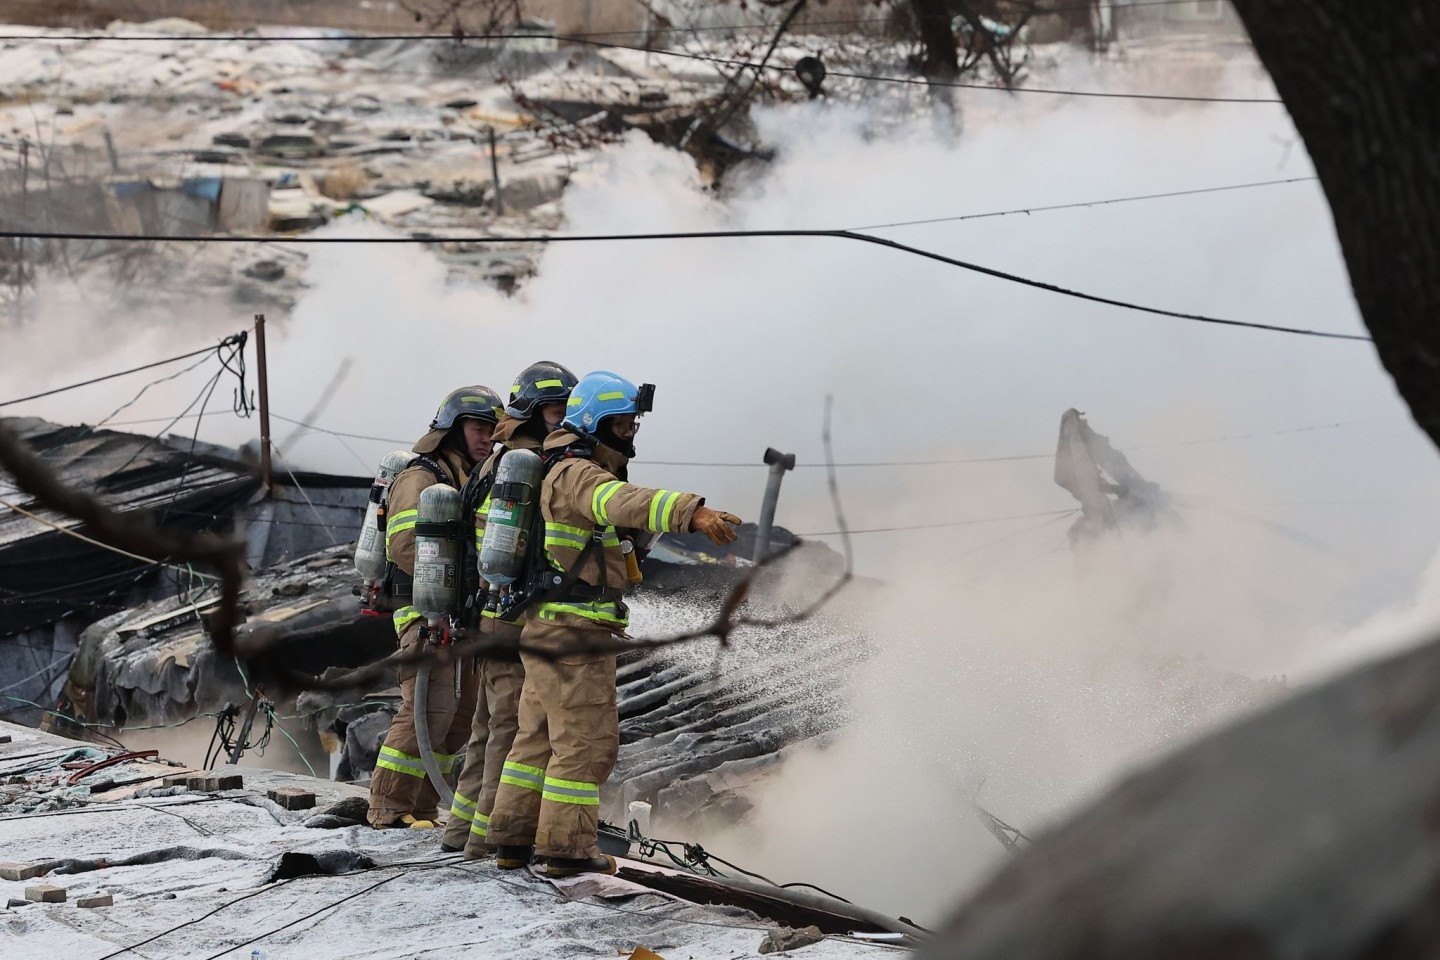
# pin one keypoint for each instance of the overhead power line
(1088, 203)
(711, 235)
(711, 28)
(949, 461)
(588, 40)
(941, 524)
(228, 341)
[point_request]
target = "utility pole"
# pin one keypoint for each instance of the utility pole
(265, 475)
(495, 175)
(779, 464)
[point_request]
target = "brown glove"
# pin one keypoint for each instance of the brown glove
(718, 525)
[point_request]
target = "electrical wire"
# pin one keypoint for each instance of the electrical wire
(1009, 536)
(423, 864)
(1090, 203)
(337, 433)
(42, 671)
(93, 542)
(271, 718)
(724, 234)
(355, 37)
(112, 376)
(936, 526)
(584, 40)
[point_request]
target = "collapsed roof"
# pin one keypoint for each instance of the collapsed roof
(50, 568)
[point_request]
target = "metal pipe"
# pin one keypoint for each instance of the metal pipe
(238, 750)
(779, 463)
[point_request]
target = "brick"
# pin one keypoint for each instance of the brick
(230, 781)
(96, 900)
(21, 871)
(45, 893)
(292, 798)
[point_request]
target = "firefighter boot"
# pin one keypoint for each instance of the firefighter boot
(513, 858)
(558, 867)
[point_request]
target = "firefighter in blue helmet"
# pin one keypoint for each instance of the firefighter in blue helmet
(459, 437)
(548, 801)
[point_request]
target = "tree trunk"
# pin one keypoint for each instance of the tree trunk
(1362, 83)
(941, 61)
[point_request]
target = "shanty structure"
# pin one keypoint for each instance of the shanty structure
(55, 579)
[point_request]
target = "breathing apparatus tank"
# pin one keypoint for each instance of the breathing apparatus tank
(437, 552)
(370, 545)
(514, 498)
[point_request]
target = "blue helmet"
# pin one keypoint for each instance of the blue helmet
(604, 394)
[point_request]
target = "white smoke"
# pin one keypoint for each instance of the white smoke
(998, 664)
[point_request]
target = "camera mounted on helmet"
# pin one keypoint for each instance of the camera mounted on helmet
(645, 398)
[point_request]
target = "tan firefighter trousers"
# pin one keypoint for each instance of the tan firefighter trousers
(497, 712)
(399, 785)
(567, 746)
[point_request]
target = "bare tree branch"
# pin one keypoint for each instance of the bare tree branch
(133, 533)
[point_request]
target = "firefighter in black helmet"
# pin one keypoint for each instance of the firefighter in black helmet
(460, 436)
(537, 405)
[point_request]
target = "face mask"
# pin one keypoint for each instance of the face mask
(626, 448)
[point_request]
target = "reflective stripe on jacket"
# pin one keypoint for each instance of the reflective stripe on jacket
(582, 493)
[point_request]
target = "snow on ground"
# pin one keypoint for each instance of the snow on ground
(191, 878)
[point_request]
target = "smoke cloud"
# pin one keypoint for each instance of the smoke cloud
(1006, 663)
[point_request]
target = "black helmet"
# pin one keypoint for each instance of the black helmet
(543, 382)
(478, 402)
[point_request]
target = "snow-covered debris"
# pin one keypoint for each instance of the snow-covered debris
(213, 875)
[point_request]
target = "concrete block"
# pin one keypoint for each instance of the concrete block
(96, 900)
(292, 798)
(21, 871)
(231, 781)
(5, 738)
(45, 893)
(202, 783)
(178, 780)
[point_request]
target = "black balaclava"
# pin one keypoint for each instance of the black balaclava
(606, 435)
(534, 428)
(455, 440)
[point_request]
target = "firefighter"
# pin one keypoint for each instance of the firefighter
(537, 405)
(460, 436)
(549, 796)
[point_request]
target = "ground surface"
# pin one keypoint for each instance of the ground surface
(191, 876)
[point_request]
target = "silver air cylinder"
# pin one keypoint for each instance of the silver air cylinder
(370, 545)
(437, 555)
(514, 498)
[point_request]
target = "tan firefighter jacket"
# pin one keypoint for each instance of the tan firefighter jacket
(403, 511)
(582, 494)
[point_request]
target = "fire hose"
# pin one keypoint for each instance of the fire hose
(422, 738)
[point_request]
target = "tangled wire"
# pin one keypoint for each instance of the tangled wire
(224, 741)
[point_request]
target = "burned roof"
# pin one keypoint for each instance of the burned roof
(47, 571)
